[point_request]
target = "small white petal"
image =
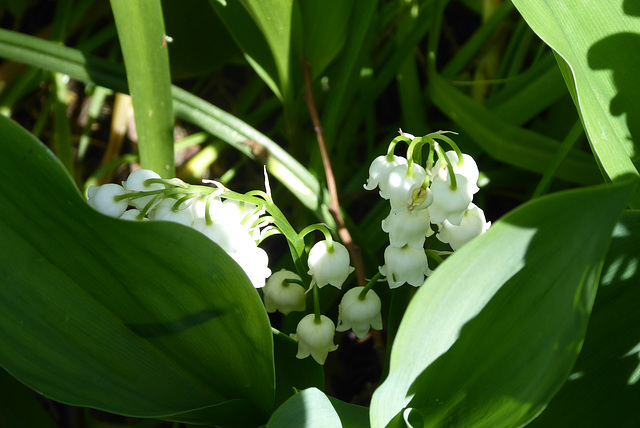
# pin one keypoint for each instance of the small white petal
(359, 315)
(473, 224)
(282, 297)
(405, 265)
(408, 227)
(315, 339)
(379, 172)
(329, 268)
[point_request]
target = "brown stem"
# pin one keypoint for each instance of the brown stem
(334, 204)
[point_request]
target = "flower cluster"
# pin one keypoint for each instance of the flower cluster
(235, 226)
(439, 194)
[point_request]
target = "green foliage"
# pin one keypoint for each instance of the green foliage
(489, 338)
(598, 45)
(162, 326)
(603, 386)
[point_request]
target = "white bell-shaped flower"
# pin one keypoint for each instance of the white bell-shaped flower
(231, 237)
(473, 224)
(449, 204)
(403, 188)
(255, 263)
(379, 172)
(164, 211)
(315, 339)
(359, 315)
(102, 199)
(408, 227)
(282, 295)
(132, 215)
(329, 267)
(245, 213)
(135, 183)
(468, 169)
(405, 265)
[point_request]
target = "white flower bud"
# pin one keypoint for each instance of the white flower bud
(284, 296)
(102, 199)
(408, 227)
(135, 183)
(473, 224)
(379, 171)
(255, 263)
(329, 267)
(405, 264)
(359, 315)
(132, 215)
(315, 339)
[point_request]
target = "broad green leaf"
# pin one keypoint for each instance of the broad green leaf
(604, 386)
(307, 409)
(145, 50)
(311, 408)
(600, 44)
(493, 333)
(143, 319)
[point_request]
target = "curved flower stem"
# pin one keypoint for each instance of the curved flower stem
(434, 256)
(322, 228)
(439, 135)
(366, 289)
(394, 142)
(445, 161)
(334, 205)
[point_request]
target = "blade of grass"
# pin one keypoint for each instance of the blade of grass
(141, 32)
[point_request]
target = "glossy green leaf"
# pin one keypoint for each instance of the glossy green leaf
(311, 408)
(604, 386)
(308, 409)
(144, 319)
(600, 44)
(494, 332)
(145, 50)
